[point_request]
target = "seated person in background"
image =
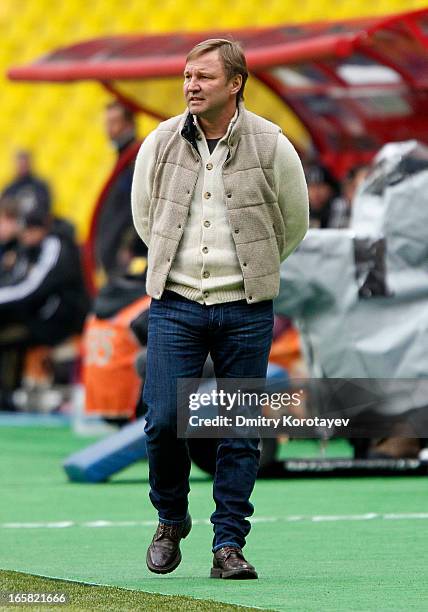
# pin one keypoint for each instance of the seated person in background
(44, 300)
(27, 188)
(341, 207)
(9, 231)
(322, 189)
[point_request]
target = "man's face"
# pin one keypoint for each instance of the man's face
(206, 88)
(115, 123)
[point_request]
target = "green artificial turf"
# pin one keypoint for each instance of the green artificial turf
(304, 564)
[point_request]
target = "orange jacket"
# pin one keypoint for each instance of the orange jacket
(112, 385)
(285, 349)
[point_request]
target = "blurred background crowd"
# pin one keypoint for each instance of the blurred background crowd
(43, 297)
(57, 161)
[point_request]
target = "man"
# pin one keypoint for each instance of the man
(26, 187)
(43, 299)
(120, 125)
(322, 188)
(219, 197)
(114, 226)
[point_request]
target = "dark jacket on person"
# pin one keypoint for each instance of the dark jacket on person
(31, 191)
(46, 291)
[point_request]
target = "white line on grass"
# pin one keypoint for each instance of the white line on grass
(368, 516)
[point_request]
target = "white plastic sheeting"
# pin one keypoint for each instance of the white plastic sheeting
(360, 296)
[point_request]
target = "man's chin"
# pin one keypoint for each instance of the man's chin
(196, 109)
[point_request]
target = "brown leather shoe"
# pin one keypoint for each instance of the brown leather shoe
(163, 554)
(229, 562)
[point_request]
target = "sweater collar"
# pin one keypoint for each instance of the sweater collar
(190, 130)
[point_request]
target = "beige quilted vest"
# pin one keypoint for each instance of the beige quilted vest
(253, 212)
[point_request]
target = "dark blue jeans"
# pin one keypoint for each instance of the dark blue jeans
(181, 334)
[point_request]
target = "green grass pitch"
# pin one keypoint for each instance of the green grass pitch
(318, 545)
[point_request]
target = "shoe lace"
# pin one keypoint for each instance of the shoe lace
(167, 531)
(232, 550)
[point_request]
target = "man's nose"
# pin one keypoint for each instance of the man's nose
(193, 84)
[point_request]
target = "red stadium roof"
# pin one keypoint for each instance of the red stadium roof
(353, 84)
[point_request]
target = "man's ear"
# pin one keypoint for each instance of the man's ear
(236, 83)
